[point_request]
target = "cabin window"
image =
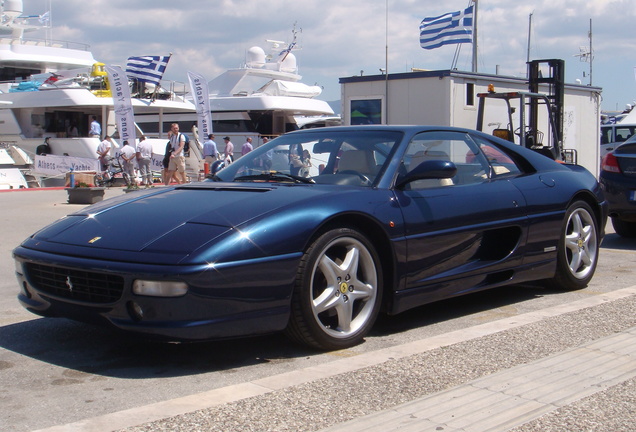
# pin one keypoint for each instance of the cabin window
(470, 94)
(366, 111)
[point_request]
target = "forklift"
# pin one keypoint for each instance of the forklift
(527, 133)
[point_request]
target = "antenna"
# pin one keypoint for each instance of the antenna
(586, 54)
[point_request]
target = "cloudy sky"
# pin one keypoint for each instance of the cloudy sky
(340, 38)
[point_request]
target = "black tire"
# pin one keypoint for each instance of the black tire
(624, 228)
(578, 249)
(338, 291)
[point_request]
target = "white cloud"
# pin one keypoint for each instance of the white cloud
(340, 38)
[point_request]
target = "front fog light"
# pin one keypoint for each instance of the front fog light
(159, 288)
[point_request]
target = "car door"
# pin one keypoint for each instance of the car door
(463, 230)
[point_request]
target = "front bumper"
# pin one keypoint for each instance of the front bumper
(230, 300)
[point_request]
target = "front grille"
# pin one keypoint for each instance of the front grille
(77, 285)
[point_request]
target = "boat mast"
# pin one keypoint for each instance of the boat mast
(529, 37)
(475, 37)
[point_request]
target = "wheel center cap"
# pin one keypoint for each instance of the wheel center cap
(344, 287)
(581, 243)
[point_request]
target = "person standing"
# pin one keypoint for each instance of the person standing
(128, 155)
(229, 151)
(306, 160)
(44, 149)
(96, 128)
(144, 159)
(295, 159)
(210, 153)
(267, 156)
(72, 132)
(103, 150)
(177, 159)
(247, 147)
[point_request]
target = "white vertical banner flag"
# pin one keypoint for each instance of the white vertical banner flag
(201, 99)
(122, 105)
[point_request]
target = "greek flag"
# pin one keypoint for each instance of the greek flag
(450, 28)
(147, 68)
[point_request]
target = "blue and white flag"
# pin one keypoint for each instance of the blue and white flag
(450, 28)
(45, 18)
(147, 68)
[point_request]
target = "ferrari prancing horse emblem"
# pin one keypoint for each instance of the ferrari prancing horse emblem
(69, 284)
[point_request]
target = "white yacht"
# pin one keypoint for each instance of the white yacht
(263, 97)
(53, 89)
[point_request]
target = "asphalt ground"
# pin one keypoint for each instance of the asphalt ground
(561, 362)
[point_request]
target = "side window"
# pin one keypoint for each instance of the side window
(606, 135)
(501, 163)
(455, 147)
(623, 133)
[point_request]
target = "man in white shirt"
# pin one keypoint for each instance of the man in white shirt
(103, 151)
(177, 159)
(144, 159)
(128, 154)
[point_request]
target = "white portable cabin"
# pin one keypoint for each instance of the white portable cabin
(449, 98)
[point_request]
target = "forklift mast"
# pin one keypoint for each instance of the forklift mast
(555, 80)
(540, 72)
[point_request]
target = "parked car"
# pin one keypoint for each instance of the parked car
(613, 135)
(395, 218)
(618, 179)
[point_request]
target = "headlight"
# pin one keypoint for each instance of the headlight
(18, 267)
(159, 288)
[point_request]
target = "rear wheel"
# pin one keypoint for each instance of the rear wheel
(338, 291)
(578, 248)
(624, 228)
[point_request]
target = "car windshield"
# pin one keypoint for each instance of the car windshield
(329, 156)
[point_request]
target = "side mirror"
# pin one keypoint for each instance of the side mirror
(432, 169)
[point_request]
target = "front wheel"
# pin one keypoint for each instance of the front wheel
(338, 291)
(578, 248)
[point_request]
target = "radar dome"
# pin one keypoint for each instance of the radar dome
(256, 57)
(12, 8)
(289, 64)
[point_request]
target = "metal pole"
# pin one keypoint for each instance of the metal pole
(475, 37)
(386, 67)
(529, 36)
(591, 52)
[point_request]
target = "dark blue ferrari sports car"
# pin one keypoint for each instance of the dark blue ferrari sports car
(317, 232)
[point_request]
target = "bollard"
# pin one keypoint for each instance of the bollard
(206, 169)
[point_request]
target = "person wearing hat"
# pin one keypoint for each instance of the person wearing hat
(229, 151)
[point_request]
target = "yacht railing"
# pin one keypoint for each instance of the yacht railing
(45, 42)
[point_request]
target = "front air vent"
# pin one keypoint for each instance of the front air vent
(78, 285)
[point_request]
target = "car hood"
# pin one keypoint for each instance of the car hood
(171, 221)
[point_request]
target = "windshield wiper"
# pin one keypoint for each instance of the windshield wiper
(273, 176)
